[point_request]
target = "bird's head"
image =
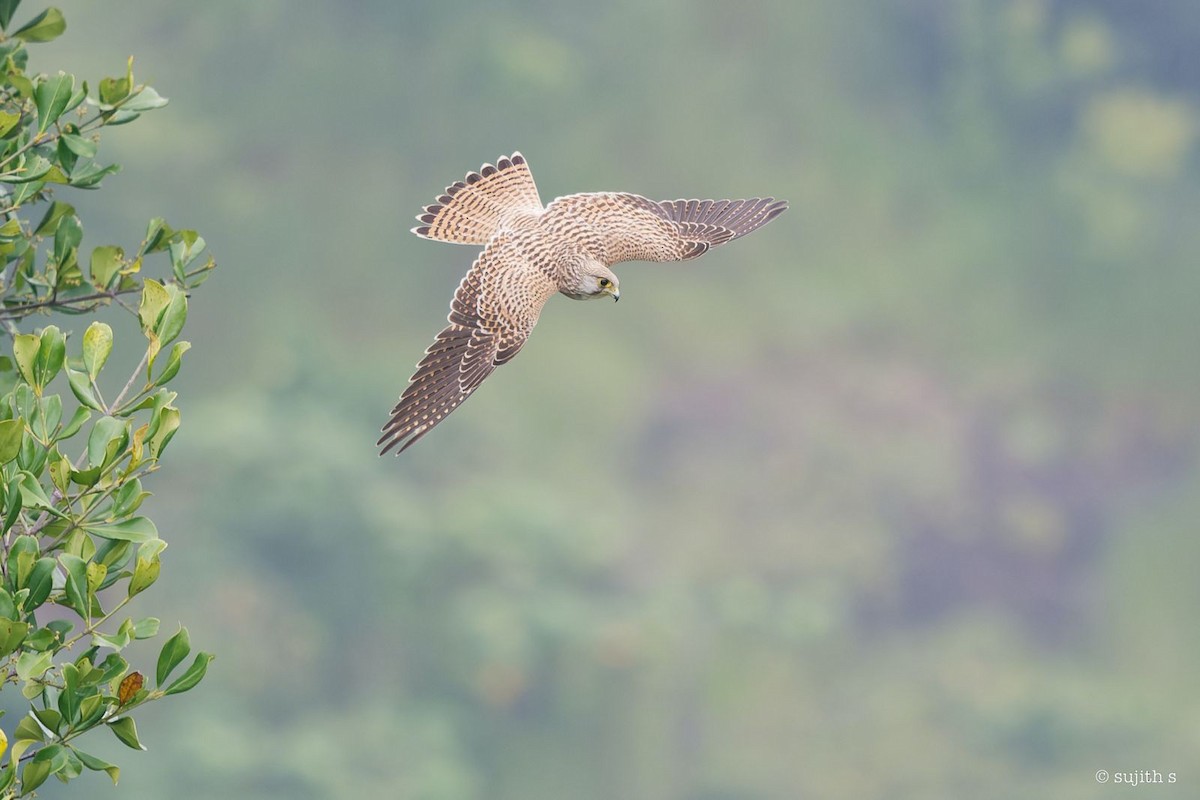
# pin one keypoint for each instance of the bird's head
(591, 280)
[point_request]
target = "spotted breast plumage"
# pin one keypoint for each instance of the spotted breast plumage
(531, 253)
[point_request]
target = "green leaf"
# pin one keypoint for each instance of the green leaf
(24, 192)
(82, 389)
(34, 775)
(8, 375)
(147, 566)
(50, 97)
(55, 174)
(137, 529)
(92, 707)
(185, 246)
(117, 641)
(113, 668)
(12, 502)
(97, 344)
(174, 362)
(61, 627)
(28, 728)
(30, 167)
(74, 425)
(78, 543)
(7, 7)
(146, 628)
(99, 765)
(41, 639)
(25, 402)
(52, 352)
(89, 175)
(60, 474)
(113, 90)
(22, 84)
(107, 261)
(157, 401)
(128, 498)
(155, 299)
(55, 755)
(68, 698)
(96, 573)
(114, 554)
(158, 235)
(7, 121)
(67, 237)
(126, 731)
(145, 100)
(84, 148)
(33, 495)
(10, 230)
(172, 318)
(81, 94)
(173, 652)
(75, 585)
(12, 633)
(25, 350)
(33, 665)
(47, 413)
(45, 27)
(11, 432)
(54, 214)
(109, 438)
(168, 422)
(195, 673)
(41, 581)
(73, 768)
(21, 557)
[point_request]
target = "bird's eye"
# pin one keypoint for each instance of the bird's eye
(605, 283)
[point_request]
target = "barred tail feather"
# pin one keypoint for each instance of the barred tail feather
(470, 211)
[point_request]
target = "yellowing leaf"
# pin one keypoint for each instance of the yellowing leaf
(97, 344)
(129, 687)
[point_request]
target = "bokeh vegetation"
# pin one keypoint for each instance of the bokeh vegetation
(896, 498)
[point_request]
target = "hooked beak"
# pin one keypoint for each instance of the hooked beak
(616, 296)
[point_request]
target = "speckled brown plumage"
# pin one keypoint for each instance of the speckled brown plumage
(531, 253)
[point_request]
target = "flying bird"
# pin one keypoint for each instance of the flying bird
(531, 253)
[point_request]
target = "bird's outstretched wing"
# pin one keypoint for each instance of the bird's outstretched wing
(492, 313)
(634, 228)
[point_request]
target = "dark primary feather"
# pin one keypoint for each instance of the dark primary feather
(439, 385)
(708, 223)
(461, 356)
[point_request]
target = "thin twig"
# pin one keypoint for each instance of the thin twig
(21, 311)
(129, 385)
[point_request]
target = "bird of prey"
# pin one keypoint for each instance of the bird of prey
(531, 253)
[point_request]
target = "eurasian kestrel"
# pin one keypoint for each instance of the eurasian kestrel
(533, 252)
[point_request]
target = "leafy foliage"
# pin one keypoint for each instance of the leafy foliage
(76, 550)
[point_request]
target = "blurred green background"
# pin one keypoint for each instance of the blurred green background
(896, 498)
